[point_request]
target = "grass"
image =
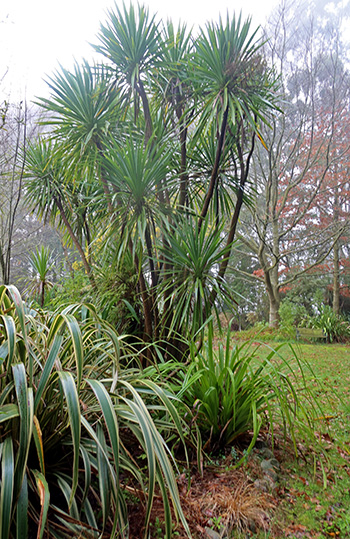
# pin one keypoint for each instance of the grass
(313, 496)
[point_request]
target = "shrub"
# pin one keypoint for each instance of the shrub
(292, 315)
(70, 289)
(116, 298)
(70, 416)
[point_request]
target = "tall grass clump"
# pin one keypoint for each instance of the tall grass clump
(335, 327)
(235, 388)
(70, 418)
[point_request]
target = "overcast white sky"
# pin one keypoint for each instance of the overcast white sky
(37, 35)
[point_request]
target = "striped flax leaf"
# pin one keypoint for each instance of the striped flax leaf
(77, 342)
(6, 392)
(8, 411)
(38, 439)
(51, 358)
(103, 475)
(156, 452)
(20, 311)
(10, 343)
(143, 419)
(87, 471)
(121, 517)
(110, 418)
(72, 400)
(26, 412)
(66, 490)
(44, 494)
(7, 487)
(22, 511)
(90, 516)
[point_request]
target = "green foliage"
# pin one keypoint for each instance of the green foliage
(226, 52)
(334, 326)
(292, 315)
(70, 289)
(117, 299)
(308, 291)
(41, 263)
(72, 421)
(192, 255)
(235, 388)
(130, 41)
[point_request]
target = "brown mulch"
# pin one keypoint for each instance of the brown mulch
(222, 499)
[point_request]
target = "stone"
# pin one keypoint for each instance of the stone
(275, 464)
(266, 453)
(271, 474)
(211, 534)
(270, 464)
(260, 444)
(262, 484)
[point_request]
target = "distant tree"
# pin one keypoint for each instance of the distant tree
(41, 264)
(285, 229)
(13, 140)
(20, 232)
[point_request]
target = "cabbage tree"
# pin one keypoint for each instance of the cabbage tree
(163, 133)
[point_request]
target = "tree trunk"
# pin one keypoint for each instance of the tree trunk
(336, 280)
(215, 171)
(274, 297)
(42, 299)
(336, 267)
(274, 305)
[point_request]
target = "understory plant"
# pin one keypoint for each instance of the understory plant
(292, 315)
(335, 327)
(41, 264)
(234, 388)
(75, 424)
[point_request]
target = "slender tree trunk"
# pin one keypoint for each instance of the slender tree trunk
(336, 279)
(272, 289)
(183, 146)
(146, 111)
(244, 171)
(21, 140)
(3, 267)
(336, 265)
(42, 299)
(66, 257)
(105, 185)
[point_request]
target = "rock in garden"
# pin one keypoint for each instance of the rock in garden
(266, 453)
(272, 475)
(211, 534)
(270, 464)
(262, 484)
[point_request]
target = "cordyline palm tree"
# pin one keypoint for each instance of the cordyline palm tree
(55, 200)
(168, 129)
(41, 263)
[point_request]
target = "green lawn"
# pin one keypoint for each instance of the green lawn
(314, 492)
